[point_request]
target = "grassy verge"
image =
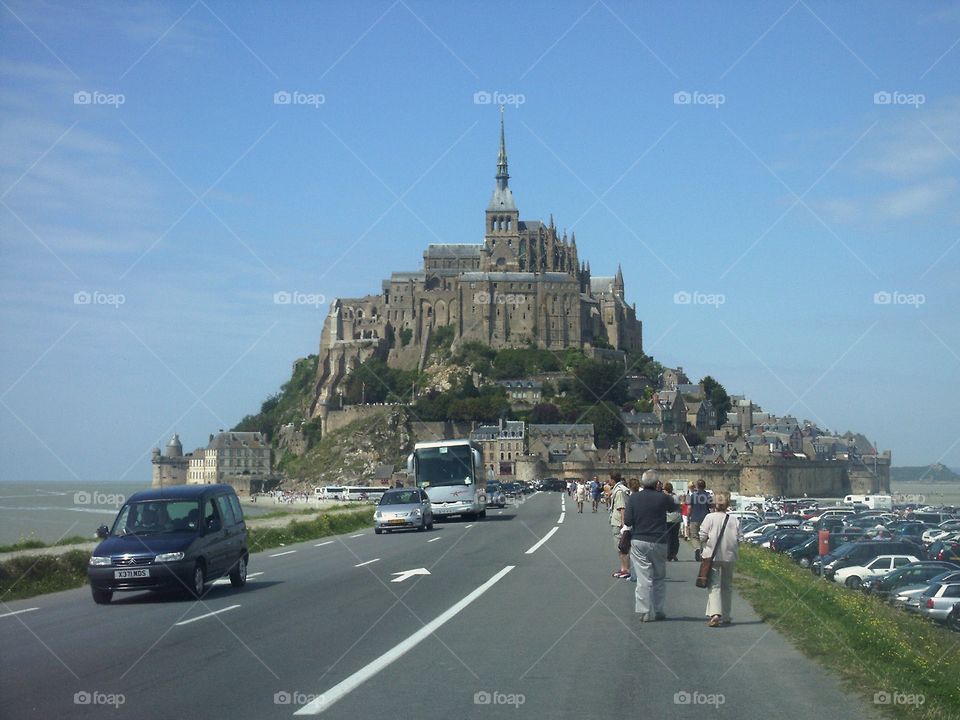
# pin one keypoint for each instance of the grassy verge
(24, 577)
(297, 511)
(878, 650)
(33, 543)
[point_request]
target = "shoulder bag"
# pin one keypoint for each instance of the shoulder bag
(706, 564)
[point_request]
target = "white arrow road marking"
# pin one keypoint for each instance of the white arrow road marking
(401, 576)
(17, 612)
(542, 540)
(366, 563)
(209, 614)
(344, 687)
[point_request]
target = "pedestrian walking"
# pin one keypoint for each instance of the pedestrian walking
(724, 555)
(673, 526)
(699, 502)
(618, 501)
(580, 493)
(646, 518)
(595, 493)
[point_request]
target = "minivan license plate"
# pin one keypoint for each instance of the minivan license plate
(127, 574)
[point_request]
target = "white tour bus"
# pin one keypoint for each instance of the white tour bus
(451, 471)
(873, 502)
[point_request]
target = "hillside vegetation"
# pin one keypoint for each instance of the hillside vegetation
(929, 473)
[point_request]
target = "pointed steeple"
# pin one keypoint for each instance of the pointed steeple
(502, 175)
(573, 238)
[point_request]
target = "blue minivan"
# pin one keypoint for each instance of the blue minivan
(178, 537)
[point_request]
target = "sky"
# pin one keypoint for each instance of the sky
(780, 182)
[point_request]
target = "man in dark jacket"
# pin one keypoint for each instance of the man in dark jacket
(646, 516)
(699, 504)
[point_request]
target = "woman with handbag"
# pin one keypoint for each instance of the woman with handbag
(720, 534)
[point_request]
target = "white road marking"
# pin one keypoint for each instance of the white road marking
(561, 517)
(367, 562)
(328, 542)
(288, 552)
(17, 612)
(357, 535)
(467, 527)
(406, 574)
(542, 540)
(434, 540)
(344, 687)
(226, 581)
(209, 614)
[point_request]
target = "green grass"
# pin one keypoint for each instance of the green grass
(875, 648)
(33, 543)
(27, 576)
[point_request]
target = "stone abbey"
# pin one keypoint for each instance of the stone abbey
(525, 285)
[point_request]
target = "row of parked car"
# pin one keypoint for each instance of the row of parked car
(909, 561)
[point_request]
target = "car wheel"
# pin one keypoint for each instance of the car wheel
(953, 620)
(482, 514)
(852, 582)
(377, 531)
(430, 526)
(423, 525)
(804, 563)
(238, 576)
(101, 597)
(199, 579)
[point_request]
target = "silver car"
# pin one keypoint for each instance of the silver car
(403, 508)
(938, 600)
(908, 597)
(495, 495)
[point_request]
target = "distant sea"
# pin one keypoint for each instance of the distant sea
(50, 511)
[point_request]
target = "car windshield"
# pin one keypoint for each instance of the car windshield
(452, 465)
(493, 487)
(400, 497)
(154, 517)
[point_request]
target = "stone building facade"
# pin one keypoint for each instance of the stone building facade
(229, 455)
(525, 284)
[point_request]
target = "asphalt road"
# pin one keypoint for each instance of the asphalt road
(504, 625)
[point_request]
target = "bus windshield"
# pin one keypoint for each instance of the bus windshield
(451, 465)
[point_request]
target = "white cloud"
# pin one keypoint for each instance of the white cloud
(921, 199)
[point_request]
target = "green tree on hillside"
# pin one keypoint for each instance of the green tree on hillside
(718, 397)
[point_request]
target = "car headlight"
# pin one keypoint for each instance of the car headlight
(377, 515)
(97, 560)
(168, 557)
(416, 512)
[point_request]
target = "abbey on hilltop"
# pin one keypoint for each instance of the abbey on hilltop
(524, 285)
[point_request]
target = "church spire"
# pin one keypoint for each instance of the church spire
(502, 175)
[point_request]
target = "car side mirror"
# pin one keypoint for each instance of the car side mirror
(103, 532)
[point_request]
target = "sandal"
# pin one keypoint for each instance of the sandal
(621, 574)
(714, 621)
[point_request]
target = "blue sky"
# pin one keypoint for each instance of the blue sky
(792, 169)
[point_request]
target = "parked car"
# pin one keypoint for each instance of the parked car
(553, 485)
(937, 601)
(177, 537)
(783, 540)
(918, 573)
(862, 551)
(903, 596)
(945, 550)
(403, 508)
(511, 489)
(495, 495)
(853, 575)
